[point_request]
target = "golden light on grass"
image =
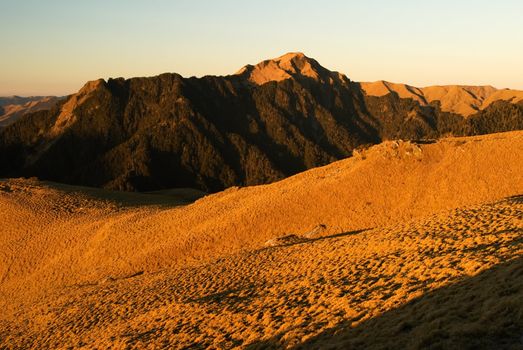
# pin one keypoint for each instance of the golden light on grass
(439, 221)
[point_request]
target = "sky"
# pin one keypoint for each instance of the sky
(53, 47)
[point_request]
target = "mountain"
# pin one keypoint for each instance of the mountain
(403, 246)
(458, 99)
(293, 65)
(18, 100)
(14, 107)
(264, 123)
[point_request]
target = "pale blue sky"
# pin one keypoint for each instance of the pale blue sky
(54, 46)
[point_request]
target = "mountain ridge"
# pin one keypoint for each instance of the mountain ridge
(460, 99)
(14, 107)
(267, 122)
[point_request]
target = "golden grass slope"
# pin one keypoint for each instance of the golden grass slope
(102, 268)
(71, 238)
(450, 280)
(460, 99)
(382, 88)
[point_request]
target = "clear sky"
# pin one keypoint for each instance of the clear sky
(54, 46)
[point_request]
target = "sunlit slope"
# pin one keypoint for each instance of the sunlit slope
(53, 238)
(459, 99)
(449, 280)
(13, 108)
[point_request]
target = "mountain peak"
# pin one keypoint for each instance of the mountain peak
(67, 114)
(290, 65)
(291, 55)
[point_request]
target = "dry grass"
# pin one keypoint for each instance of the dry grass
(83, 267)
(298, 294)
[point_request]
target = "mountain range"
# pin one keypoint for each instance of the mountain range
(266, 122)
(13, 108)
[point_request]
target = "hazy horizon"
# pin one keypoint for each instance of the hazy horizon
(55, 47)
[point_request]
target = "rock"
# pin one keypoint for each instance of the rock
(315, 232)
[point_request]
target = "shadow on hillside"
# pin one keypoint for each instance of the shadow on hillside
(294, 239)
(516, 199)
(424, 141)
(338, 235)
(167, 198)
(481, 312)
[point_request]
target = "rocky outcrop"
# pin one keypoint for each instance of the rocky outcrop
(294, 65)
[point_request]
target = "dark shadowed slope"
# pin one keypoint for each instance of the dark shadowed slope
(262, 124)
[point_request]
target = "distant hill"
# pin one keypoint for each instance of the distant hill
(14, 107)
(268, 121)
(459, 99)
